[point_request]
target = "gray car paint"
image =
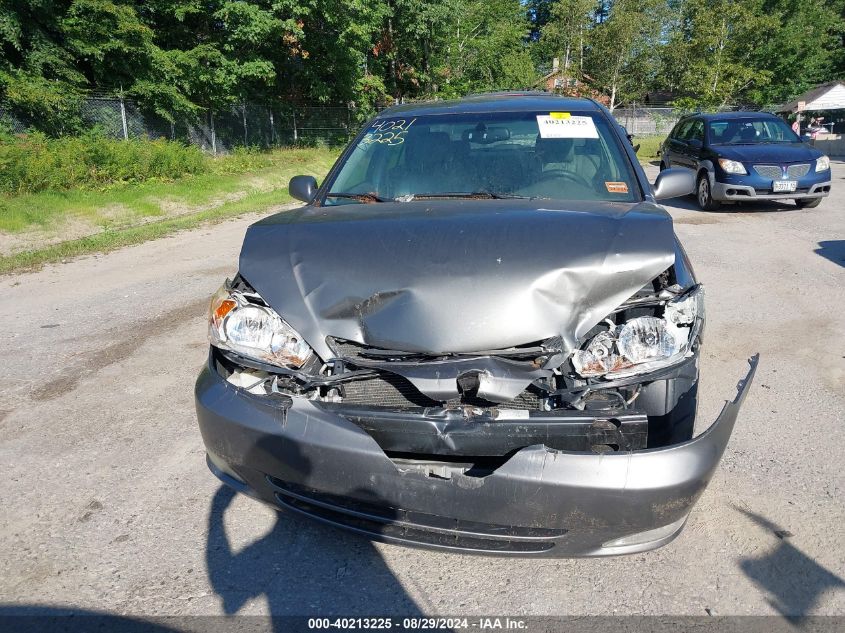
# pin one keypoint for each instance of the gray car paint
(456, 276)
(592, 499)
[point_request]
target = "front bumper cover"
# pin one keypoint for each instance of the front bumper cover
(745, 189)
(541, 502)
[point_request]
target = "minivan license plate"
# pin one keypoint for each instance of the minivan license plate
(784, 185)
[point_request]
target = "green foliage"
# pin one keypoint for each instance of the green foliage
(178, 58)
(484, 49)
(804, 50)
(717, 40)
(566, 33)
(33, 162)
(625, 47)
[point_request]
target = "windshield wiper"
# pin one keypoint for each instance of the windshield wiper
(480, 195)
(365, 198)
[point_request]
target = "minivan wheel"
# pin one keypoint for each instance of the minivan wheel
(808, 203)
(704, 195)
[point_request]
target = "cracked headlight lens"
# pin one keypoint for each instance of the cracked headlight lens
(599, 357)
(253, 330)
(643, 344)
(648, 338)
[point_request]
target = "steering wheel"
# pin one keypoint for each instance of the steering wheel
(555, 174)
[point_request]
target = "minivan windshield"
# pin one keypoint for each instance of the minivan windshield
(748, 130)
(556, 155)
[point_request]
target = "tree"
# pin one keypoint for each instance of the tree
(803, 52)
(565, 34)
(715, 47)
(485, 49)
(38, 78)
(624, 47)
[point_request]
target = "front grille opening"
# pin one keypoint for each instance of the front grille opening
(443, 466)
(392, 391)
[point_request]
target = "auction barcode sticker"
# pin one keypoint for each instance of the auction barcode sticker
(563, 125)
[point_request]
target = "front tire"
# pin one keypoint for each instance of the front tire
(808, 203)
(704, 195)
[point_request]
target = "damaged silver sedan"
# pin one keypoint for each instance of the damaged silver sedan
(479, 334)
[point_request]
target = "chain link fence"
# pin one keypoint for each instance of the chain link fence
(647, 121)
(216, 132)
(252, 125)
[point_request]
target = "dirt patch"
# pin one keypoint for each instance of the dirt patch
(129, 343)
(174, 207)
(71, 228)
(698, 219)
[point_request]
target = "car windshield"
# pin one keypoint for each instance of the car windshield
(750, 130)
(556, 155)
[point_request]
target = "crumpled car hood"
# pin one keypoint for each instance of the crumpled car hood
(454, 276)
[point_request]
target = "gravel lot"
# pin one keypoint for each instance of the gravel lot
(108, 504)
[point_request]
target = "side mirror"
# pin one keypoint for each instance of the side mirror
(674, 183)
(303, 188)
(696, 143)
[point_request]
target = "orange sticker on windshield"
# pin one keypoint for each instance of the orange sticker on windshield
(616, 187)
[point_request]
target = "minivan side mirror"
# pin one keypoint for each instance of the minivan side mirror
(696, 143)
(674, 183)
(303, 188)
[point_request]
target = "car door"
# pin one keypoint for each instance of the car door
(694, 144)
(675, 145)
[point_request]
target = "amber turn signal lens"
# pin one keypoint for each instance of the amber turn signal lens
(223, 309)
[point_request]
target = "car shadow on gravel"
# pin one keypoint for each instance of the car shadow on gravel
(794, 581)
(689, 203)
(834, 250)
(301, 567)
(36, 618)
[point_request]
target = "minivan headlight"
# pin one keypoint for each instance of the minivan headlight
(645, 343)
(822, 163)
(246, 325)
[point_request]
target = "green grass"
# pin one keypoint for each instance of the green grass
(132, 213)
(648, 147)
(127, 204)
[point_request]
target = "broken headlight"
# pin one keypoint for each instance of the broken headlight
(243, 323)
(644, 343)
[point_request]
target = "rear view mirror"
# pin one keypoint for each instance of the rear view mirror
(674, 183)
(303, 188)
(487, 136)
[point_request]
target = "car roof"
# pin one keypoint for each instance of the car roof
(745, 114)
(516, 101)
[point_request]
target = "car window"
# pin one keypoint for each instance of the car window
(750, 130)
(565, 155)
(683, 129)
(696, 131)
